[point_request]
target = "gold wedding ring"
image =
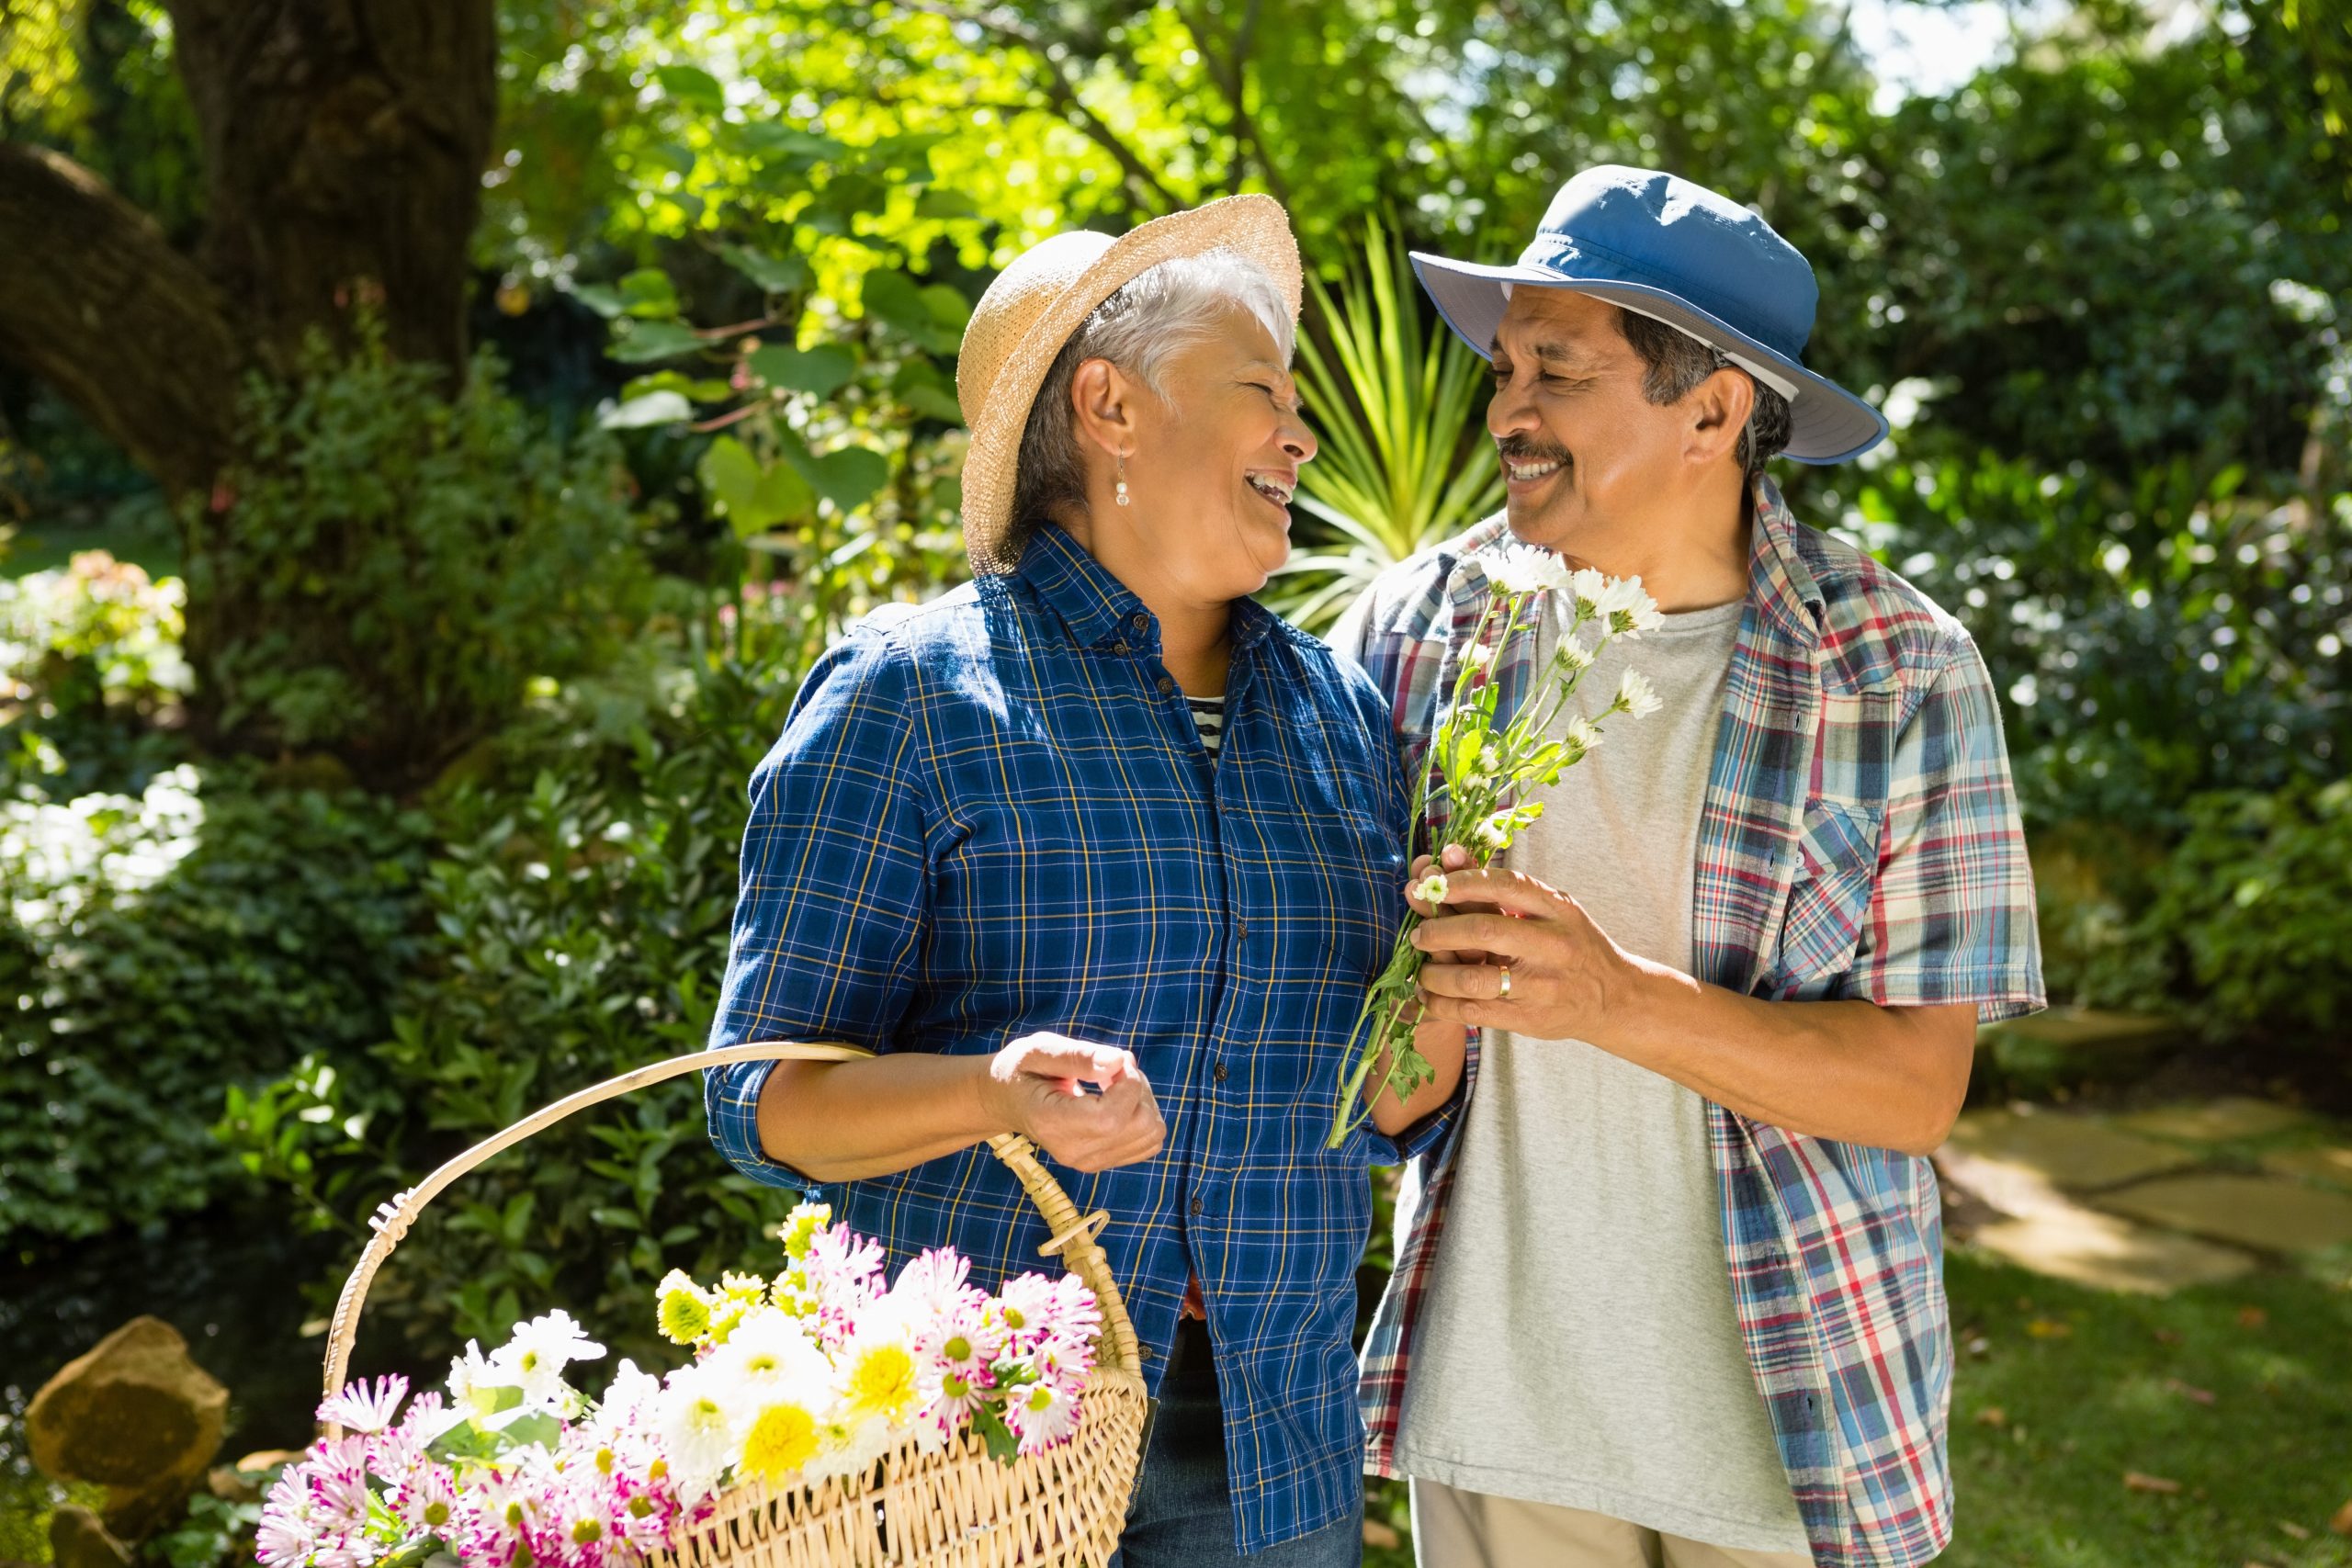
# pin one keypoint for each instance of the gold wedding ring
(1504, 993)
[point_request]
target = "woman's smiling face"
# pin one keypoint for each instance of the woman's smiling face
(1213, 467)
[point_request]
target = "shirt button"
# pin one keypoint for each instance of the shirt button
(1140, 621)
(1167, 682)
(1197, 1209)
(1120, 647)
(1220, 1072)
(1241, 930)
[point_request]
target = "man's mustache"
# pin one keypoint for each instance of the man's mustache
(1526, 449)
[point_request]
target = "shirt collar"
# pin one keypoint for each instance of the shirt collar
(1100, 611)
(1779, 582)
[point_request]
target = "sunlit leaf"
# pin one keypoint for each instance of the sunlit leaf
(691, 84)
(646, 341)
(651, 408)
(820, 371)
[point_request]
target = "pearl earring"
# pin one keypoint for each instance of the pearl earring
(1121, 493)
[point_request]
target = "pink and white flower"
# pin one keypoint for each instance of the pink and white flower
(362, 1408)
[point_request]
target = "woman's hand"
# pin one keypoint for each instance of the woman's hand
(1037, 1087)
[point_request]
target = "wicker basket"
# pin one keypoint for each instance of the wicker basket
(953, 1508)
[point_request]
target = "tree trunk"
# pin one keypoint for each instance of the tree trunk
(133, 334)
(344, 143)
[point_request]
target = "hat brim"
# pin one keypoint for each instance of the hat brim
(1827, 424)
(1256, 227)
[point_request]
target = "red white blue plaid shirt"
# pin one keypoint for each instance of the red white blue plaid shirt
(1860, 839)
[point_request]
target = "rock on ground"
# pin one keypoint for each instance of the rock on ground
(134, 1414)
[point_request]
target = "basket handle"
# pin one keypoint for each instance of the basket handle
(1072, 1235)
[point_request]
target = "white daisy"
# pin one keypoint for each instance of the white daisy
(769, 1350)
(1635, 696)
(698, 1432)
(475, 1382)
(535, 1358)
(1523, 569)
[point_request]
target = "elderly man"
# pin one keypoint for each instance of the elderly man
(1670, 1292)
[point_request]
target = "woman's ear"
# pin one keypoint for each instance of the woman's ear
(1103, 399)
(1719, 407)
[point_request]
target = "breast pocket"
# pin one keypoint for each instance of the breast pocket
(1358, 873)
(1829, 901)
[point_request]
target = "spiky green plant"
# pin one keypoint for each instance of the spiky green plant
(1392, 405)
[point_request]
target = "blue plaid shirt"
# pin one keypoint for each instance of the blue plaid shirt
(993, 814)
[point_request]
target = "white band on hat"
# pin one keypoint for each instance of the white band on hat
(1771, 379)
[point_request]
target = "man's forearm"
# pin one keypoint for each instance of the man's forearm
(846, 1121)
(1892, 1078)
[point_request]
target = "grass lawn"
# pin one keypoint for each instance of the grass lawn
(2062, 1393)
(133, 536)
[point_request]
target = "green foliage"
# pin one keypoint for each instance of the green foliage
(580, 924)
(834, 463)
(1401, 467)
(2115, 257)
(215, 1530)
(2154, 639)
(388, 570)
(2249, 919)
(90, 664)
(163, 945)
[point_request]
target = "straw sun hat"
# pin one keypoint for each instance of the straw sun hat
(1029, 312)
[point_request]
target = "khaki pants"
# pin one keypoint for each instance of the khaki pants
(1472, 1529)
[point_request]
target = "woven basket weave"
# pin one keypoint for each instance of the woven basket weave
(954, 1508)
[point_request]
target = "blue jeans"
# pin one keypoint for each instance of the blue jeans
(1182, 1515)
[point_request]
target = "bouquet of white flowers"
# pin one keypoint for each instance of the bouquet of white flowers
(1480, 769)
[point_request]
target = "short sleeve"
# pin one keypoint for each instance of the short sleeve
(835, 892)
(1951, 917)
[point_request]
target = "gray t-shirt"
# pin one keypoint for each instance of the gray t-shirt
(1579, 1346)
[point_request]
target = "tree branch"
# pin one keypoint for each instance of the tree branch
(1230, 74)
(1061, 95)
(96, 303)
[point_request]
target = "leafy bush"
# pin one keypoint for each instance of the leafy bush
(2152, 641)
(389, 568)
(2250, 917)
(90, 664)
(160, 945)
(582, 925)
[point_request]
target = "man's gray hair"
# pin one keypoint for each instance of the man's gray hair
(1675, 362)
(1157, 312)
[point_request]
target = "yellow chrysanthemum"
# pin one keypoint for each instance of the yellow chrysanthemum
(882, 1381)
(801, 1227)
(727, 1315)
(683, 1312)
(749, 1289)
(782, 1442)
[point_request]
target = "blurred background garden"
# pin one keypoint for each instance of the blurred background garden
(436, 436)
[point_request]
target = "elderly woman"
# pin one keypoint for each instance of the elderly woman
(1098, 819)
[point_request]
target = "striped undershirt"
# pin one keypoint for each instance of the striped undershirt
(1208, 717)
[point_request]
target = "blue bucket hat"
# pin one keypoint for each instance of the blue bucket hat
(1678, 253)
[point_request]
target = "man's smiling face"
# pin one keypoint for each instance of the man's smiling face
(1591, 464)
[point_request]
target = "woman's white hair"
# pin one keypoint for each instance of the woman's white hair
(1139, 329)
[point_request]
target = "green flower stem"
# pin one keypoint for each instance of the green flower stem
(1383, 1015)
